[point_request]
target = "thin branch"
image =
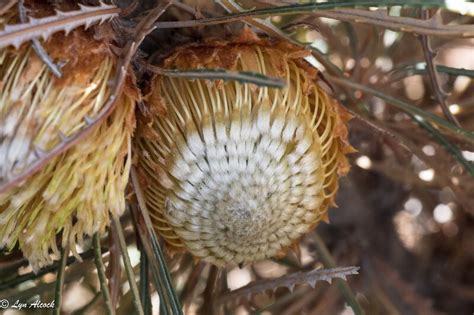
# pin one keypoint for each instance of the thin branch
(434, 79)
(58, 294)
(101, 273)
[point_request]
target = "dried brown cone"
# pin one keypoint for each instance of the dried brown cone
(74, 193)
(233, 172)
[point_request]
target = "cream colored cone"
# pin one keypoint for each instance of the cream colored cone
(233, 172)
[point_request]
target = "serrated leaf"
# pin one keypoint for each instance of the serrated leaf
(289, 281)
(17, 34)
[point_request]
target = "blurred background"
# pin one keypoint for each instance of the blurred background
(406, 210)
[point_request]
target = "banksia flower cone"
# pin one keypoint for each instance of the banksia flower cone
(233, 172)
(74, 192)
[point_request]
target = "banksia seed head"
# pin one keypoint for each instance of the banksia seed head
(234, 172)
(73, 193)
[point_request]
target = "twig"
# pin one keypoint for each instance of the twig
(329, 262)
(58, 293)
(434, 79)
(101, 273)
(127, 264)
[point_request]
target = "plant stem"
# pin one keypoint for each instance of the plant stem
(160, 271)
(101, 272)
(58, 293)
(433, 73)
(144, 283)
(329, 262)
(127, 265)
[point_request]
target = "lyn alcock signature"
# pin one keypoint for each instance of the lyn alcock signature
(37, 304)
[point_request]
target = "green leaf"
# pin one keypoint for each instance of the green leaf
(220, 74)
(162, 279)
